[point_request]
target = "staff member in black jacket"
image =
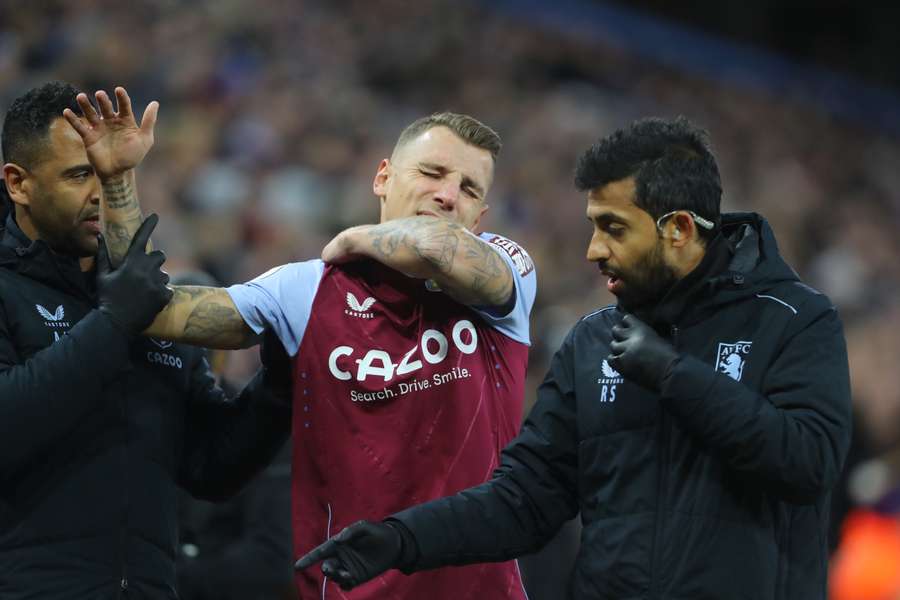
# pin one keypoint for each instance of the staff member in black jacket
(97, 424)
(698, 426)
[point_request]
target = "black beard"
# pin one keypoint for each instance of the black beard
(647, 282)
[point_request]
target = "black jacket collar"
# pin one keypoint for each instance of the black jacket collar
(743, 259)
(34, 259)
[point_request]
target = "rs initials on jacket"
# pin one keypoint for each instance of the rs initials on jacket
(609, 379)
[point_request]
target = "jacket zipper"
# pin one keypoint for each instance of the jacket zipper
(662, 479)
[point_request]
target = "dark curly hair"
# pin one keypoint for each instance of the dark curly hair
(28, 120)
(671, 161)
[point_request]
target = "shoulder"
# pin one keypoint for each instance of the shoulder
(516, 253)
(798, 298)
(594, 325)
(308, 269)
(602, 318)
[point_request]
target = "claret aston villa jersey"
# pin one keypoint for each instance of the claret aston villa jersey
(401, 395)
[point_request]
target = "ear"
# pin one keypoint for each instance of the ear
(18, 185)
(382, 175)
(682, 229)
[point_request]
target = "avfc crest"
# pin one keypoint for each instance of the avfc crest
(730, 358)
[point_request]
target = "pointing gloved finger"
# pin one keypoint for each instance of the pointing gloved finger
(103, 265)
(320, 552)
(142, 235)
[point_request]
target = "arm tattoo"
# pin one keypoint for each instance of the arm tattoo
(122, 214)
(464, 265)
(213, 321)
(119, 194)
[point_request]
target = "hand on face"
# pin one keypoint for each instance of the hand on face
(114, 141)
(639, 354)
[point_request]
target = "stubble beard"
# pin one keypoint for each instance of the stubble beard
(647, 282)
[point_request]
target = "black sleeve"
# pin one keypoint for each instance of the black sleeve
(43, 397)
(229, 441)
(532, 494)
(794, 435)
(260, 562)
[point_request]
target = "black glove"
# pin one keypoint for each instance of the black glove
(358, 553)
(277, 367)
(639, 354)
(136, 291)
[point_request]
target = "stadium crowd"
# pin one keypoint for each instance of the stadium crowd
(272, 114)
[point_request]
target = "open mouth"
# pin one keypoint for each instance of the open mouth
(614, 283)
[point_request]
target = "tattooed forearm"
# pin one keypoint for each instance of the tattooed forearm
(466, 267)
(119, 193)
(203, 316)
(214, 326)
(121, 214)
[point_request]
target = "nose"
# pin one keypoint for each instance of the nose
(95, 191)
(597, 250)
(447, 194)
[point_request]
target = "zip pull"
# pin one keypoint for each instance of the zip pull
(123, 585)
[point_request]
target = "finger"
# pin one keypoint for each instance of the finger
(320, 552)
(77, 123)
(157, 258)
(333, 569)
(106, 106)
(148, 120)
(619, 333)
(87, 109)
(142, 235)
(630, 320)
(614, 362)
(123, 102)
(352, 532)
(616, 349)
(102, 255)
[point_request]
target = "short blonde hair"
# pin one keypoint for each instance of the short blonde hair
(469, 129)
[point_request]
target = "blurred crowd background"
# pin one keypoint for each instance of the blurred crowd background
(274, 115)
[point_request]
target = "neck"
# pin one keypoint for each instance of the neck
(25, 224)
(691, 256)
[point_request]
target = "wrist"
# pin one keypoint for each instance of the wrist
(116, 178)
(116, 321)
(408, 552)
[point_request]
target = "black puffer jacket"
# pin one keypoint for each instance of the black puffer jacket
(718, 487)
(97, 430)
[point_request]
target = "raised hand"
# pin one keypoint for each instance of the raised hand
(134, 293)
(114, 141)
(357, 554)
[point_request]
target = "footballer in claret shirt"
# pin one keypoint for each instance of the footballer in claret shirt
(401, 395)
